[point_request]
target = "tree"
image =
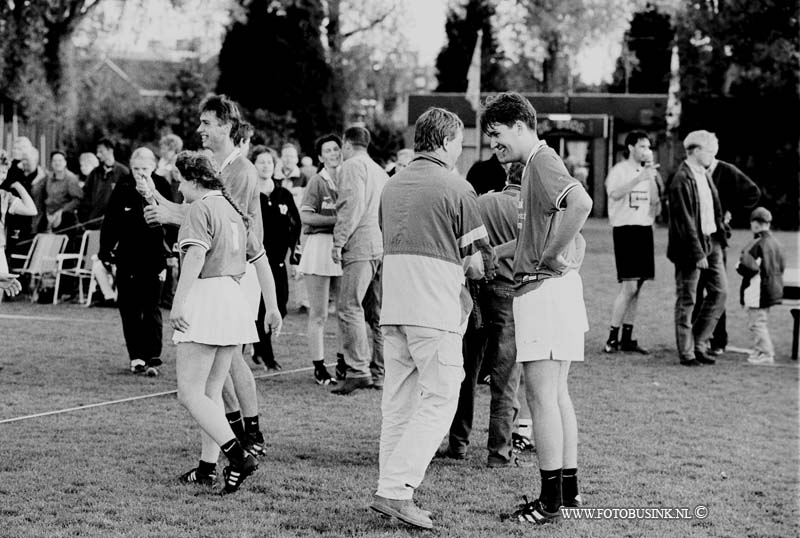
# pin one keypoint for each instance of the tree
(452, 64)
(740, 70)
(36, 56)
(643, 66)
(185, 96)
(295, 78)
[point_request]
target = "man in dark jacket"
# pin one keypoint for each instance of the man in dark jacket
(738, 194)
(696, 241)
(140, 252)
(100, 184)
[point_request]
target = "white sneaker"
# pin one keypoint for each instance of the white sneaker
(761, 359)
(138, 366)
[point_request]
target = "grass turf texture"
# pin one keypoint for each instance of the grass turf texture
(653, 434)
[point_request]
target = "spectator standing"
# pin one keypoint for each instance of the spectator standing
(169, 146)
(25, 170)
(320, 272)
(358, 246)
(633, 202)
(494, 351)
(549, 313)
(282, 230)
(307, 169)
(761, 266)
(58, 196)
(140, 253)
(696, 241)
(100, 184)
(15, 201)
(738, 194)
(87, 163)
(433, 236)
(293, 181)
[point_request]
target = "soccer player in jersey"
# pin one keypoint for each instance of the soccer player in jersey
(549, 313)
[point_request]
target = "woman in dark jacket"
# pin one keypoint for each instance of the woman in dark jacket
(281, 232)
(140, 253)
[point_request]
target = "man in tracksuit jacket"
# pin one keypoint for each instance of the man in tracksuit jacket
(432, 236)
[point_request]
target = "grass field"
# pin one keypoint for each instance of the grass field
(653, 434)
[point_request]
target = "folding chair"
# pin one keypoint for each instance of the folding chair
(42, 259)
(81, 262)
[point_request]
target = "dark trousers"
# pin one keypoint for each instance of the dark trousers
(472, 350)
(263, 348)
(138, 298)
(500, 355)
(719, 338)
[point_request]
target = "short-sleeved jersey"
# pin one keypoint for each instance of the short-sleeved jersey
(320, 198)
(633, 209)
(241, 181)
(545, 185)
(213, 224)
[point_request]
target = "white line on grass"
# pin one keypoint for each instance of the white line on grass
(89, 320)
(134, 398)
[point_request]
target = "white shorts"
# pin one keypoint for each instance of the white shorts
(218, 314)
(251, 289)
(550, 321)
(316, 258)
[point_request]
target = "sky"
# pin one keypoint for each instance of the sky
(148, 20)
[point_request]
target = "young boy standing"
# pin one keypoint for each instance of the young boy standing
(761, 266)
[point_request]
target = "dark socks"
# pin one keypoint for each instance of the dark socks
(613, 334)
(234, 452)
(251, 424)
(206, 468)
(235, 421)
(569, 485)
(551, 490)
(627, 333)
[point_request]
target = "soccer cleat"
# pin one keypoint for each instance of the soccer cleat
(716, 351)
(612, 346)
(254, 444)
(341, 368)
(196, 477)
(138, 366)
(534, 512)
(235, 475)
(151, 371)
(521, 443)
(322, 377)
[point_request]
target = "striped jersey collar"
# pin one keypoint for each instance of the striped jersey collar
(229, 159)
(512, 187)
(538, 147)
